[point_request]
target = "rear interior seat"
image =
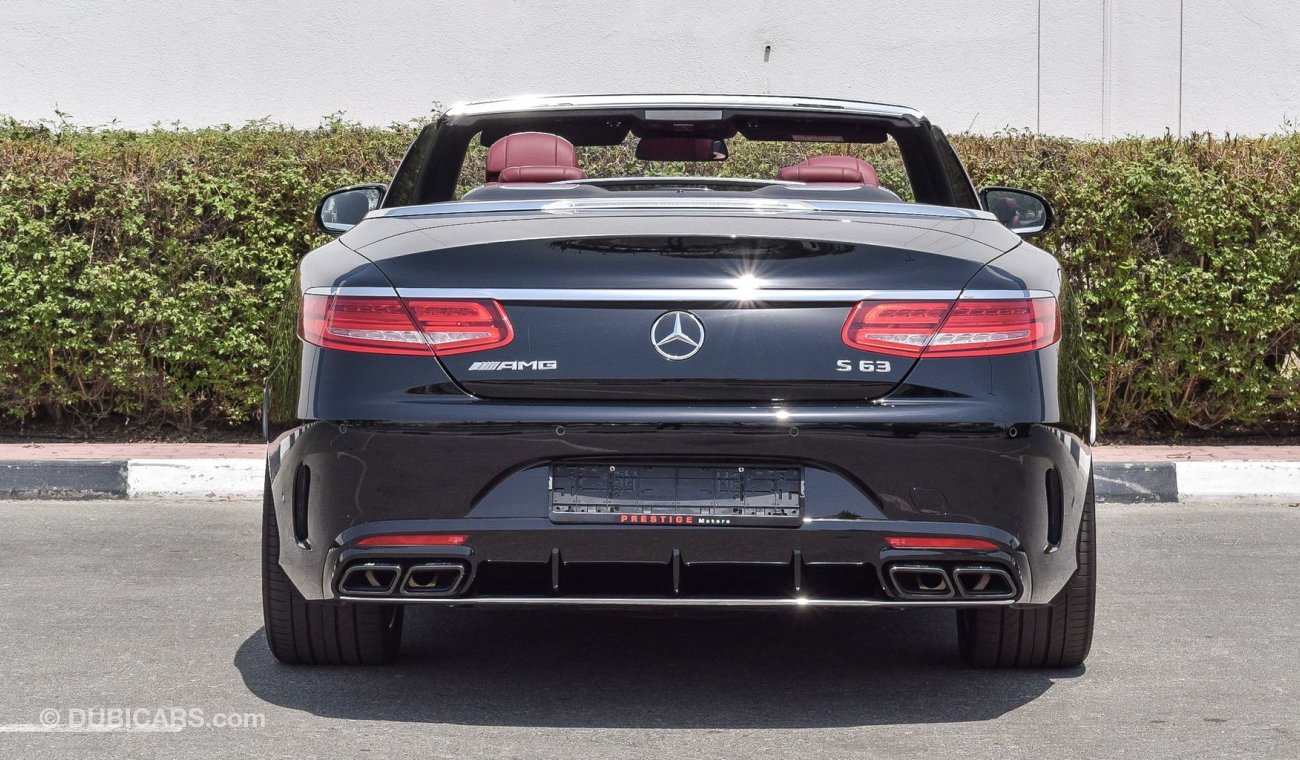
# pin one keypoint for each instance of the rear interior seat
(840, 169)
(539, 174)
(527, 159)
(846, 177)
(532, 157)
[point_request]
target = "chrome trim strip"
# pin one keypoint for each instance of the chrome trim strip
(773, 102)
(575, 601)
(772, 206)
(347, 290)
(678, 295)
(757, 295)
(1000, 295)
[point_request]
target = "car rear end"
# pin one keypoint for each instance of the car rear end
(691, 408)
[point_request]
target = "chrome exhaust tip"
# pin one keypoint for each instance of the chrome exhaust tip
(433, 579)
(370, 579)
(921, 582)
(983, 582)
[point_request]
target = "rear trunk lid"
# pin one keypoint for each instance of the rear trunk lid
(679, 307)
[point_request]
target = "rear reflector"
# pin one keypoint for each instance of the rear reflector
(930, 542)
(415, 539)
(415, 327)
(953, 328)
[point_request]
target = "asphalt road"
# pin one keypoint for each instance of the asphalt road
(143, 607)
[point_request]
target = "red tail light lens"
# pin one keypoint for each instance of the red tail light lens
(931, 542)
(948, 328)
(414, 328)
(898, 328)
(415, 539)
(457, 327)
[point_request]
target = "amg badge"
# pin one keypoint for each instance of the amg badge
(517, 365)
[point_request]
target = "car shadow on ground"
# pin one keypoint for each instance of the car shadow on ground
(552, 668)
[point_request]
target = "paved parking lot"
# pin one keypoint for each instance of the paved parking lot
(146, 607)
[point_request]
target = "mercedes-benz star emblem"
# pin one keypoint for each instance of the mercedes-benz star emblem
(677, 335)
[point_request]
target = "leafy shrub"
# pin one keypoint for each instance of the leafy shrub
(139, 270)
(1187, 255)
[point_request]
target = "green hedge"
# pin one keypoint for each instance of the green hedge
(1187, 255)
(137, 269)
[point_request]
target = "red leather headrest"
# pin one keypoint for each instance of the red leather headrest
(539, 174)
(529, 149)
(821, 174)
(831, 169)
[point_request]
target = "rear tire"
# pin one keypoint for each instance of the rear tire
(302, 632)
(1058, 635)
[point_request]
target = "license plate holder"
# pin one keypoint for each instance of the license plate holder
(677, 496)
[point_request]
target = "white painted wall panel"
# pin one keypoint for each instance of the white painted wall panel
(1241, 65)
(983, 66)
(1143, 67)
(967, 65)
(1071, 70)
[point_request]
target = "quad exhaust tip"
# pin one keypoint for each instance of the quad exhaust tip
(984, 582)
(433, 579)
(921, 582)
(965, 581)
(370, 579)
(426, 579)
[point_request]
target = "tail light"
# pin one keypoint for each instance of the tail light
(935, 542)
(953, 328)
(415, 539)
(415, 327)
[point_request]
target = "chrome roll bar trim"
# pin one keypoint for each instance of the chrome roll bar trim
(527, 103)
(765, 206)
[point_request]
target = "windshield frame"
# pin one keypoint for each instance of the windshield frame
(431, 169)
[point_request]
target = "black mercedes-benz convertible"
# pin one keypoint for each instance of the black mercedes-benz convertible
(845, 381)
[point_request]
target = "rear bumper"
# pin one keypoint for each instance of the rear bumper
(533, 561)
(869, 475)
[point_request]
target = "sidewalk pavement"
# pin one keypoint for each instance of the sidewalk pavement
(234, 471)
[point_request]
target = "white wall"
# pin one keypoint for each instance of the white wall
(1088, 69)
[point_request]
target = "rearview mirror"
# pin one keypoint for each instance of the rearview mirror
(681, 149)
(1024, 213)
(341, 210)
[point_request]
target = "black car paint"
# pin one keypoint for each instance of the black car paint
(952, 447)
(601, 352)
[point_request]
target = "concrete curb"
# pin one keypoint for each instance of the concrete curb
(1130, 482)
(241, 478)
(194, 478)
(63, 479)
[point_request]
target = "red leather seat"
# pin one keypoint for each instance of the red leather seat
(532, 157)
(845, 169)
(539, 174)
